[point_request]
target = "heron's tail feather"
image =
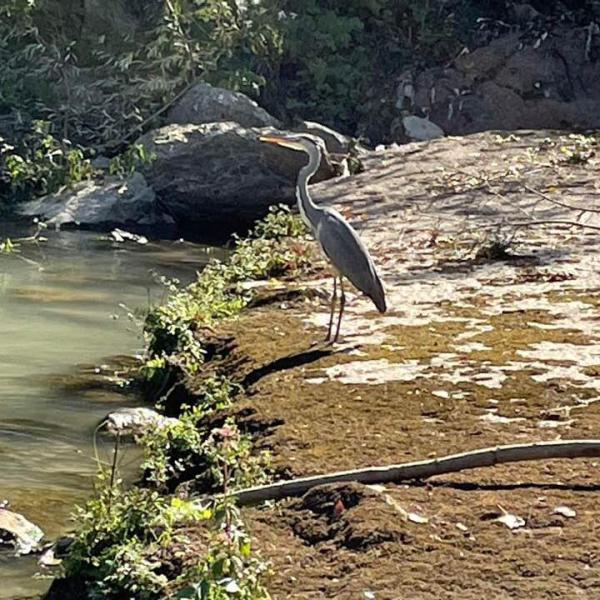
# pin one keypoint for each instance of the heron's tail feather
(380, 303)
(378, 296)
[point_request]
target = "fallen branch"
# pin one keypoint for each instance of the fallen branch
(541, 222)
(486, 457)
(544, 196)
(139, 128)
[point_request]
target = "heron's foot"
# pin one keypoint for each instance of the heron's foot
(332, 341)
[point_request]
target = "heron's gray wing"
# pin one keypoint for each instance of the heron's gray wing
(349, 256)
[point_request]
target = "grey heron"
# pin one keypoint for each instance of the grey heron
(338, 240)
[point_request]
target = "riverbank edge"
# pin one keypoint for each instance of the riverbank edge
(190, 376)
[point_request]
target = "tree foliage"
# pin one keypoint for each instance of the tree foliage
(98, 83)
(101, 78)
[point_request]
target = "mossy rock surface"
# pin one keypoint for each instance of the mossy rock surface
(477, 349)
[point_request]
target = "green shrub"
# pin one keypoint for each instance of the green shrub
(117, 533)
(124, 539)
(329, 60)
(126, 163)
(141, 543)
(336, 52)
(314, 59)
(42, 164)
(99, 89)
(185, 449)
(217, 293)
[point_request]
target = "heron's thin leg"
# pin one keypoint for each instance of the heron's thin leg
(342, 304)
(333, 299)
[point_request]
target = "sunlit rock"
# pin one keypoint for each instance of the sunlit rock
(134, 421)
(204, 103)
(130, 205)
(16, 531)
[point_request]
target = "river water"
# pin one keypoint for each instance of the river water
(63, 311)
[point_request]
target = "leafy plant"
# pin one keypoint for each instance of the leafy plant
(335, 51)
(10, 245)
(7, 246)
(123, 537)
(230, 569)
(102, 90)
(580, 149)
(117, 533)
(183, 450)
(314, 59)
(42, 164)
(173, 449)
(217, 293)
(142, 543)
(131, 160)
(278, 224)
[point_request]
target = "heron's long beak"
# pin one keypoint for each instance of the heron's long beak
(281, 141)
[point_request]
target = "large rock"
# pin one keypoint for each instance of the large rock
(204, 103)
(419, 129)
(335, 142)
(18, 532)
(217, 178)
(550, 80)
(92, 205)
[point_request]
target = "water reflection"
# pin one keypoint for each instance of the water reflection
(64, 304)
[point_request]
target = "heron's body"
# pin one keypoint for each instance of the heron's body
(338, 240)
(349, 257)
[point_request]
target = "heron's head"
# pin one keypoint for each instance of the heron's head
(302, 142)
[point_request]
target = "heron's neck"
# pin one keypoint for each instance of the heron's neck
(308, 209)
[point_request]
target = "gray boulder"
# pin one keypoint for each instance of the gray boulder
(134, 421)
(18, 532)
(92, 205)
(204, 103)
(217, 178)
(335, 142)
(419, 129)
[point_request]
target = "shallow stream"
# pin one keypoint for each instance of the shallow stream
(64, 307)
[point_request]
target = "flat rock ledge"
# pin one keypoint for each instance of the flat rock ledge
(492, 337)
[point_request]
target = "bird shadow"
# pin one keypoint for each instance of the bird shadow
(297, 359)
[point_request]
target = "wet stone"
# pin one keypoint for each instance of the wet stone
(19, 533)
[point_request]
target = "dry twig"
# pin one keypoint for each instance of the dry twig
(559, 202)
(546, 222)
